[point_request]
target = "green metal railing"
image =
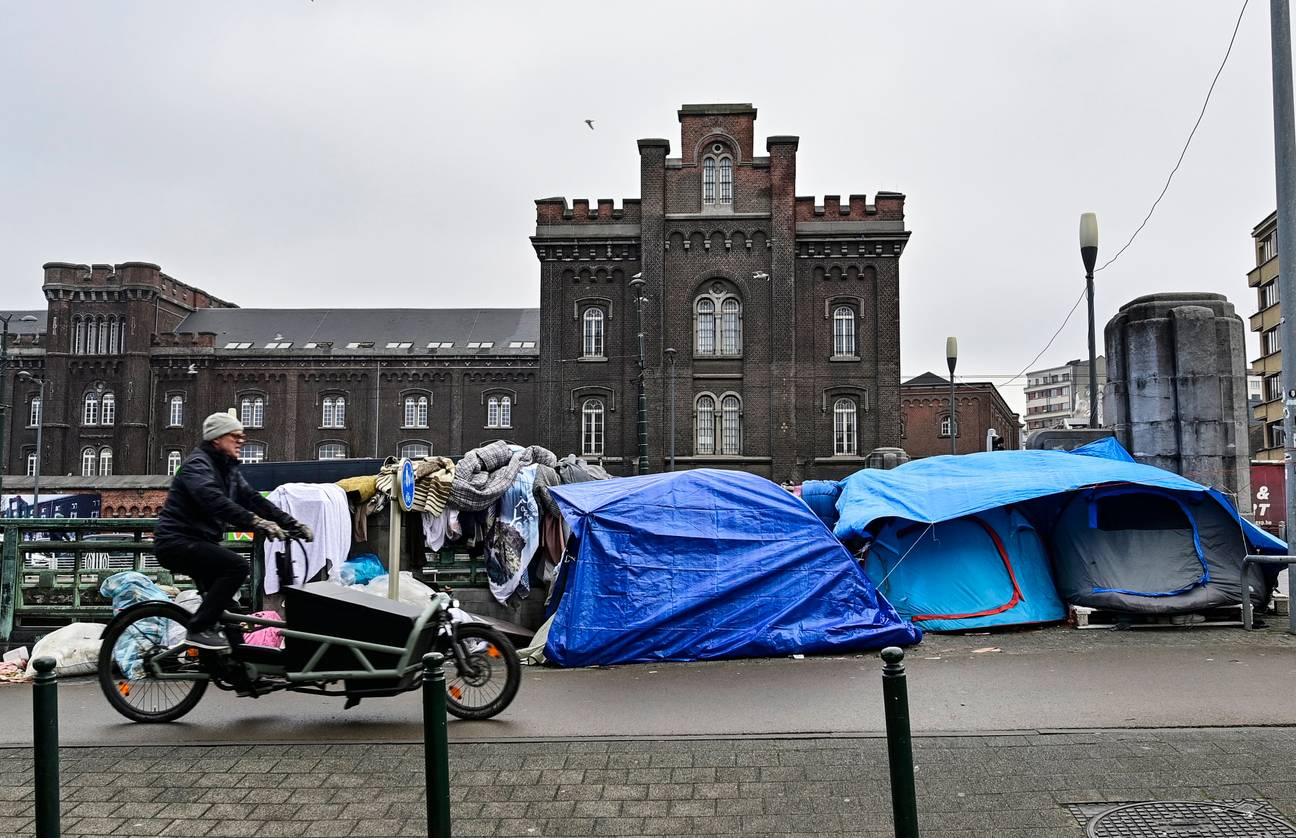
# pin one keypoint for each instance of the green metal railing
(53, 567)
(44, 576)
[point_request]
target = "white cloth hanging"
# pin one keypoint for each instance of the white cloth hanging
(323, 508)
(434, 530)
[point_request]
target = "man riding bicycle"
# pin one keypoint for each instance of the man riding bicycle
(208, 496)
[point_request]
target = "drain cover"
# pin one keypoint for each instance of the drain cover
(1187, 819)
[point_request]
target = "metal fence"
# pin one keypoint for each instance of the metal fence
(51, 568)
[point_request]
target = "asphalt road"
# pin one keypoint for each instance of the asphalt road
(1059, 679)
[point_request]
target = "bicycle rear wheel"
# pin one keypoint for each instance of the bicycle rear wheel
(135, 647)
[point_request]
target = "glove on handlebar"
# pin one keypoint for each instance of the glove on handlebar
(300, 530)
(269, 529)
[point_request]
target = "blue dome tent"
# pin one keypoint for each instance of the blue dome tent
(707, 564)
(1109, 533)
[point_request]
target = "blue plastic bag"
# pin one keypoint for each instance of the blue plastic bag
(361, 570)
(127, 589)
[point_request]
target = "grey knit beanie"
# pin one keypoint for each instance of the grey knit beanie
(219, 424)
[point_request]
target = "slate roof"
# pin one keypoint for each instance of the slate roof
(927, 379)
(18, 327)
(508, 330)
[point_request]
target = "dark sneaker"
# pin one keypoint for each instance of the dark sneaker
(209, 639)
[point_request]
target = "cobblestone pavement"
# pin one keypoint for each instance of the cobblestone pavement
(1010, 785)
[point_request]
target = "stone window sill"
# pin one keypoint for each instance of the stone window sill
(843, 358)
(592, 359)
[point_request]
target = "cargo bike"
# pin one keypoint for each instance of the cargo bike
(336, 642)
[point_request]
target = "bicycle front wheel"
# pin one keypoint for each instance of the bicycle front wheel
(140, 645)
(491, 677)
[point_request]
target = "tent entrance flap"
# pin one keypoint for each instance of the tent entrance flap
(1137, 511)
(1012, 578)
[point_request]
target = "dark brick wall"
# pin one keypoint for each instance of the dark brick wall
(979, 408)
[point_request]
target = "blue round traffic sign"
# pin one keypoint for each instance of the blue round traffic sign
(407, 485)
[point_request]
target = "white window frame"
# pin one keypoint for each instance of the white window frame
(90, 409)
(333, 412)
(31, 463)
(724, 195)
(499, 411)
(89, 460)
(704, 341)
(416, 410)
(336, 451)
(107, 409)
(708, 180)
(592, 333)
(175, 412)
(106, 461)
(730, 327)
(704, 425)
(844, 332)
(256, 449)
(945, 426)
(92, 335)
(252, 411)
(34, 409)
(731, 425)
(845, 427)
(592, 427)
(173, 460)
(404, 449)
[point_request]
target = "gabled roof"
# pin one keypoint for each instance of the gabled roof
(927, 379)
(373, 328)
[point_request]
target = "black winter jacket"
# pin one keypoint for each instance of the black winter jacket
(208, 496)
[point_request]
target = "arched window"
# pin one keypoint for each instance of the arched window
(103, 337)
(592, 427)
(726, 180)
(173, 462)
(704, 426)
(731, 327)
(114, 338)
(175, 417)
(499, 412)
(416, 412)
(105, 461)
(731, 425)
(78, 337)
(592, 346)
(34, 412)
(108, 409)
(945, 426)
(331, 451)
(252, 452)
(31, 463)
(706, 331)
(87, 462)
(416, 450)
(845, 433)
(709, 180)
(252, 411)
(90, 409)
(844, 331)
(334, 412)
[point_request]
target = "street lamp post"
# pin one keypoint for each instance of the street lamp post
(5, 415)
(670, 359)
(951, 358)
(1089, 253)
(40, 424)
(636, 286)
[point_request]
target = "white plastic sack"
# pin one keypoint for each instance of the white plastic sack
(410, 589)
(188, 600)
(75, 649)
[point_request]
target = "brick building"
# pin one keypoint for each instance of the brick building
(925, 401)
(775, 316)
(783, 314)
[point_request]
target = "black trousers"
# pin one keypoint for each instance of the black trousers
(219, 574)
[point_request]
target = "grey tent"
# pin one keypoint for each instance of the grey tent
(1150, 551)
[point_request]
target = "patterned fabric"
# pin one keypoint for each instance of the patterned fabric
(433, 477)
(485, 474)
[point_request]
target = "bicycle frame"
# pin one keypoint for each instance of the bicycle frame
(406, 664)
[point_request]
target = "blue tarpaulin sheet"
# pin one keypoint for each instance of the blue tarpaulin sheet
(943, 488)
(708, 564)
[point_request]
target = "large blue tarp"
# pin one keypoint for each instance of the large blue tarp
(707, 564)
(943, 488)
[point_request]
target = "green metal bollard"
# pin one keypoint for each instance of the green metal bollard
(45, 738)
(436, 747)
(895, 695)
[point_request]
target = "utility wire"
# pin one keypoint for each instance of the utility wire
(1183, 153)
(1188, 142)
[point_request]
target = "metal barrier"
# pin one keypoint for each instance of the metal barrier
(895, 695)
(53, 567)
(1248, 608)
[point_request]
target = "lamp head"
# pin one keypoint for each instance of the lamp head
(951, 352)
(1089, 240)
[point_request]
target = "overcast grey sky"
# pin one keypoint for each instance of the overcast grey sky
(388, 154)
